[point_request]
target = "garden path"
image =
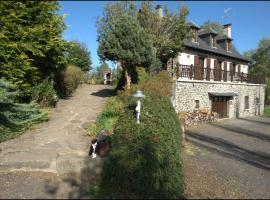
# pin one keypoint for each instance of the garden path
(50, 160)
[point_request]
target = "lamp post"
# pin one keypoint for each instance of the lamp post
(139, 94)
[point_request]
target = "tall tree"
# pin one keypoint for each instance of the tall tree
(31, 44)
(123, 40)
(261, 63)
(79, 55)
(213, 25)
(168, 32)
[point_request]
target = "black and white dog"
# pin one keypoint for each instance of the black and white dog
(97, 145)
(93, 148)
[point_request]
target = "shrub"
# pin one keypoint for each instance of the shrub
(142, 75)
(44, 94)
(68, 80)
(160, 84)
(15, 118)
(145, 160)
(8, 91)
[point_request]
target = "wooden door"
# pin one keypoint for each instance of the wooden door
(220, 106)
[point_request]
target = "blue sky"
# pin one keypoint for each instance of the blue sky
(250, 20)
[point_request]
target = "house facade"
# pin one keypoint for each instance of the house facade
(211, 74)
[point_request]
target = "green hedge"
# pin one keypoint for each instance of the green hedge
(68, 80)
(145, 159)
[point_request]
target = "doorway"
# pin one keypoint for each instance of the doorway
(220, 105)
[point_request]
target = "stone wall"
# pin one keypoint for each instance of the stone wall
(187, 91)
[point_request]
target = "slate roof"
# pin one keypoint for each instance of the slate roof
(192, 24)
(207, 31)
(202, 45)
(223, 37)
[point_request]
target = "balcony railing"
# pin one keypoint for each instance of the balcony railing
(200, 73)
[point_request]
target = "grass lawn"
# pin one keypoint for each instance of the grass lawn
(267, 111)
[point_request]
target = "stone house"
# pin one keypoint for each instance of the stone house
(211, 74)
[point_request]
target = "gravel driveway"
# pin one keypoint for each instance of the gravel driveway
(228, 159)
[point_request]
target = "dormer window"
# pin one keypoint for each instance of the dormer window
(193, 31)
(228, 45)
(212, 41)
(194, 35)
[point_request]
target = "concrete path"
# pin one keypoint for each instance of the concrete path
(50, 160)
(228, 159)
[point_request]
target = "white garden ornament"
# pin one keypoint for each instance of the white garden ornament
(139, 94)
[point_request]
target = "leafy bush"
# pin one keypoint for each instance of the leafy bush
(145, 160)
(15, 118)
(68, 80)
(44, 94)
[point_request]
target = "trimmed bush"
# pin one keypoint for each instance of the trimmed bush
(68, 80)
(145, 159)
(44, 94)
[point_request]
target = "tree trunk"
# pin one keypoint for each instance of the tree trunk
(128, 78)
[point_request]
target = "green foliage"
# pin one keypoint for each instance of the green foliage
(145, 160)
(160, 84)
(267, 111)
(167, 32)
(217, 27)
(122, 39)
(7, 91)
(78, 55)
(44, 94)
(142, 75)
(16, 118)
(31, 44)
(125, 40)
(68, 80)
(261, 64)
(107, 118)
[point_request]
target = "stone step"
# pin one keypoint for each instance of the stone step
(63, 165)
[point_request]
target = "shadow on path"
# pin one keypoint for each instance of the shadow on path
(78, 184)
(104, 93)
(255, 121)
(224, 148)
(239, 130)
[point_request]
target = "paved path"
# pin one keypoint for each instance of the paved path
(50, 160)
(229, 159)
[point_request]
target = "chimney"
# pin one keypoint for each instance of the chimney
(159, 10)
(227, 30)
